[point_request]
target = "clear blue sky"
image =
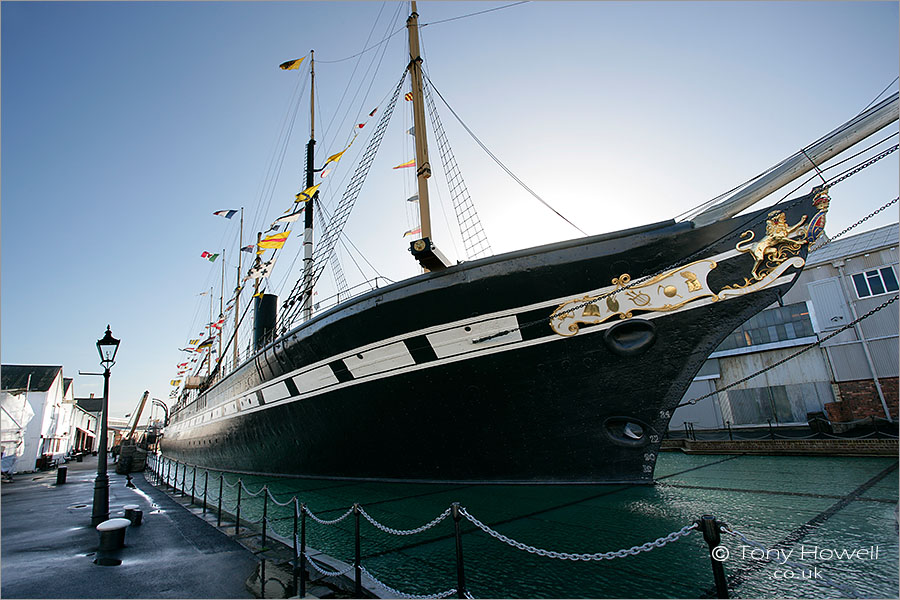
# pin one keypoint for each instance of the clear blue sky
(125, 125)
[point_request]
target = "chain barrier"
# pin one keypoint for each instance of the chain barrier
(325, 522)
(273, 499)
(824, 578)
(470, 596)
(634, 550)
(398, 594)
(390, 530)
(249, 493)
(791, 356)
(309, 561)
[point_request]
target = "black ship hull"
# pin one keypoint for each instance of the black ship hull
(522, 367)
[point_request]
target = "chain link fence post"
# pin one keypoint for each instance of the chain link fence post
(205, 488)
(710, 529)
(219, 515)
(460, 572)
(265, 517)
(193, 483)
(183, 479)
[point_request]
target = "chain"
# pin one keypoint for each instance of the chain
(858, 223)
(324, 572)
(862, 166)
(468, 595)
(634, 550)
(387, 529)
(324, 522)
(271, 497)
(399, 594)
(249, 493)
(792, 356)
(847, 590)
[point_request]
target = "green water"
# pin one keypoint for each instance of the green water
(768, 499)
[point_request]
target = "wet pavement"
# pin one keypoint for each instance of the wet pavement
(48, 547)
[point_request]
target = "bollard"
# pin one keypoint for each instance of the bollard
(710, 528)
(193, 484)
(357, 590)
(134, 514)
(303, 550)
(184, 480)
(175, 480)
(112, 534)
(61, 473)
(219, 517)
(237, 520)
(460, 572)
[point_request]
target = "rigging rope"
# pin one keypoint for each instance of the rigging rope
(497, 160)
(292, 305)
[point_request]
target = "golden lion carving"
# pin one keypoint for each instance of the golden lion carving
(773, 249)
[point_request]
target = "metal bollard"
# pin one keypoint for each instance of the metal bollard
(175, 480)
(205, 486)
(61, 473)
(710, 528)
(357, 590)
(460, 572)
(296, 549)
(193, 484)
(184, 480)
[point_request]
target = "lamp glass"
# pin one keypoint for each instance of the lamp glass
(107, 347)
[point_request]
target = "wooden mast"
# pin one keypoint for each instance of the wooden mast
(237, 291)
(422, 249)
(308, 214)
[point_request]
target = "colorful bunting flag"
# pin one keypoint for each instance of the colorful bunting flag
(360, 125)
(291, 65)
(411, 130)
(249, 248)
(307, 194)
(408, 96)
(193, 342)
(291, 217)
(175, 382)
(209, 257)
(185, 349)
(225, 213)
(205, 344)
(413, 198)
(336, 157)
(410, 163)
(413, 231)
(275, 241)
(372, 114)
(261, 270)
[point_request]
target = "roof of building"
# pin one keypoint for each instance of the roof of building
(91, 405)
(15, 377)
(868, 241)
(67, 383)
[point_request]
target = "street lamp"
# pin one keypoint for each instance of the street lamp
(107, 347)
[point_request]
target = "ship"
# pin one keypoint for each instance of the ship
(560, 363)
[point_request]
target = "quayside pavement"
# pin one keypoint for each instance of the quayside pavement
(47, 544)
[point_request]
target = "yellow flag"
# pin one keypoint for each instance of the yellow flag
(291, 65)
(307, 194)
(336, 157)
(276, 240)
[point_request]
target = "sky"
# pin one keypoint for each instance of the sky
(125, 125)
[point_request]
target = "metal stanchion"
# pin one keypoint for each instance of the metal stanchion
(205, 487)
(219, 517)
(237, 521)
(303, 550)
(710, 528)
(193, 483)
(460, 571)
(357, 589)
(264, 517)
(175, 480)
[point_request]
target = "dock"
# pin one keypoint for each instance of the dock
(49, 547)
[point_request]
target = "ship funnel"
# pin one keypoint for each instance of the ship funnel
(265, 311)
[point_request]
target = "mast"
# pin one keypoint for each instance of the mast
(222, 300)
(209, 333)
(848, 134)
(308, 213)
(422, 249)
(237, 291)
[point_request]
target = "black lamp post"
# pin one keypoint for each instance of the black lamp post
(107, 347)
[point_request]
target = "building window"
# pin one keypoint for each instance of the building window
(875, 282)
(773, 325)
